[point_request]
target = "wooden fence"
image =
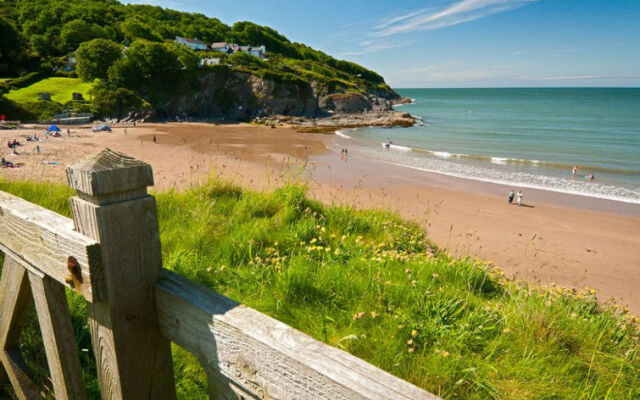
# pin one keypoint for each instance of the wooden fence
(110, 254)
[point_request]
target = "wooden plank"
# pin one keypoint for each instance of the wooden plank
(112, 207)
(221, 388)
(15, 302)
(45, 240)
(16, 369)
(57, 334)
(265, 357)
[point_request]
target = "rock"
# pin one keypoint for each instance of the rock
(344, 103)
(402, 100)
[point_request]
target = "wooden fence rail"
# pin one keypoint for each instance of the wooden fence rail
(110, 254)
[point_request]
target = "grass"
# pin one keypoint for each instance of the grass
(60, 89)
(371, 284)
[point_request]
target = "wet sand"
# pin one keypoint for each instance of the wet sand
(569, 240)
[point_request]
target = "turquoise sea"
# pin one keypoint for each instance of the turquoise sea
(524, 137)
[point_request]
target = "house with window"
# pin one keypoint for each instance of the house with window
(209, 61)
(193, 44)
(230, 48)
(257, 51)
(223, 47)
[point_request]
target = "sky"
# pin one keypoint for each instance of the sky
(458, 43)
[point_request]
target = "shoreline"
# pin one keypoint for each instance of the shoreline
(569, 240)
(499, 190)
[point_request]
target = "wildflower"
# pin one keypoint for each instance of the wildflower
(506, 331)
(313, 240)
(444, 353)
(435, 275)
(358, 315)
(414, 333)
(222, 268)
(409, 342)
(547, 303)
(337, 252)
(327, 249)
(410, 349)
(323, 229)
(374, 314)
(574, 315)
(343, 237)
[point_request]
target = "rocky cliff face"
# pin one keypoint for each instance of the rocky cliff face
(242, 96)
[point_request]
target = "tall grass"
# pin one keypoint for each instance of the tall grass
(372, 284)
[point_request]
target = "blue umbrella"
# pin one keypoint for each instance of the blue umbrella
(54, 128)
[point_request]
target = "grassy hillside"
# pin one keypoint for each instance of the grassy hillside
(132, 47)
(60, 89)
(371, 283)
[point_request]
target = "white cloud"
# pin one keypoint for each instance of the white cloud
(456, 13)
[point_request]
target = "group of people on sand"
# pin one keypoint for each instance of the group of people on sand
(518, 196)
(574, 173)
(344, 153)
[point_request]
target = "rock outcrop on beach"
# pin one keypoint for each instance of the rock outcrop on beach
(242, 96)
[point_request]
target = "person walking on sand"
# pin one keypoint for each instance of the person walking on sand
(574, 171)
(519, 197)
(154, 139)
(511, 195)
(38, 149)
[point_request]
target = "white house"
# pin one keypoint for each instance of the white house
(257, 51)
(221, 46)
(230, 48)
(193, 44)
(209, 61)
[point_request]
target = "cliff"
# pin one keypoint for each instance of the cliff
(224, 94)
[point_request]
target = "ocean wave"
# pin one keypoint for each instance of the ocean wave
(342, 134)
(442, 154)
(443, 164)
(396, 147)
(499, 160)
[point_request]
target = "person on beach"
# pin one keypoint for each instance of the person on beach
(125, 131)
(38, 149)
(590, 177)
(511, 195)
(519, 197)
(154, 139)
(574, 171)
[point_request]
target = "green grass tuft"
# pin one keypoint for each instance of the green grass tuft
(371, 284)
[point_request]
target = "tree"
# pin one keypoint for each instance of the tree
(147, 64)
(134, 29)
(78, 31)
(11, 47)
(115, 102)
(95, 57)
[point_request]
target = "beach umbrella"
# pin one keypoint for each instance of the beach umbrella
(54, 128)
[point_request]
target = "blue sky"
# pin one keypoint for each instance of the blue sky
(458, 43)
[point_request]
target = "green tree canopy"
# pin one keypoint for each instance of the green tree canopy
(95, 57)
(78, 31)
(134, 29)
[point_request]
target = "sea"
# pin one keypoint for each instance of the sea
(522, 137)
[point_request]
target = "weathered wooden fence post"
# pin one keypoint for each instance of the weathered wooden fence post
(113, 207)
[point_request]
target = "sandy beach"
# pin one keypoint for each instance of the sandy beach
(564, 239)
